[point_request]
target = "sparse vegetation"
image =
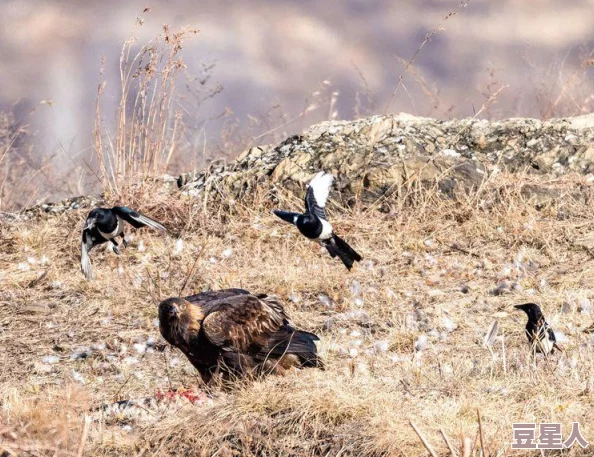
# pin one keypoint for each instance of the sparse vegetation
(402, 335)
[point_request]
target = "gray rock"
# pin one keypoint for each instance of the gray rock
(379, 157)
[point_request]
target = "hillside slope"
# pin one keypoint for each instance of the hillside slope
(402, 335)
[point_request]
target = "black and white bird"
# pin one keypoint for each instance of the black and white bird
(105, 224)
(539, 332)
(314, 224)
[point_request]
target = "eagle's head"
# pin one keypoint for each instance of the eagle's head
(171, 312)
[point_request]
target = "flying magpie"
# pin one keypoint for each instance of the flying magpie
(103, 225)
(314, 224)
(539, 332)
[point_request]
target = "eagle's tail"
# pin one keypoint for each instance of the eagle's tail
(338, 247)
(299, 343)
(303, 346)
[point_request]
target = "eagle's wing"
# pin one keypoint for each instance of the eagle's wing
(210, 296)
(85, 247)
(244, 324)
(136, 219)
(317, 194)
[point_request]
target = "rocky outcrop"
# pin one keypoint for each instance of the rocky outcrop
(382, 155)
(47, 210)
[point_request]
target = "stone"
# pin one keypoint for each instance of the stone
(379, 156)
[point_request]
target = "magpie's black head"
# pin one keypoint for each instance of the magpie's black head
(286, 216)
(531, 309)
(97, 216)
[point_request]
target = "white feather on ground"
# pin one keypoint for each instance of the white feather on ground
(320, 185)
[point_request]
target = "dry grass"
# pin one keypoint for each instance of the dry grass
(419, 262)
(149, 124)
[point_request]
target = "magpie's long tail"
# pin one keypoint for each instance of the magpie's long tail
(338, 247)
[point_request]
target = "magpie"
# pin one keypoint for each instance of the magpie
(539, 332)
(104, 224)
(314, 224)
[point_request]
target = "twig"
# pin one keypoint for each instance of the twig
(485, 451)
(192, 269)
(490, 100)
(447, 441)
(439, 28)
(457, 247)
(83, 438)
(467, 445)
(423, 440)
(503, 355)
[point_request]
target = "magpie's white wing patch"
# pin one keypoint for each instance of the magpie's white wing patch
(317, 194)
(320, 185)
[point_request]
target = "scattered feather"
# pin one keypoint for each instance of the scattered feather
(491, 333)
(78, 377)
(355, 287)
(448, 324)
(130, 361)
(358, 302)
(381, 346)
(421, 343)
(140, 348)
(325, 300)
(179, 246)
(50, 359)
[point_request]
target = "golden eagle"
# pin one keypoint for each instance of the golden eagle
(236, 333)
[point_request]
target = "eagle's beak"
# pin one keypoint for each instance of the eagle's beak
(173, 312)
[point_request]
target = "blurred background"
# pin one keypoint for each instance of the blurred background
(258, 71)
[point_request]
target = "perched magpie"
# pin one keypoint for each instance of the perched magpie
(540, 334)
(314, 224)
(103, 225)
